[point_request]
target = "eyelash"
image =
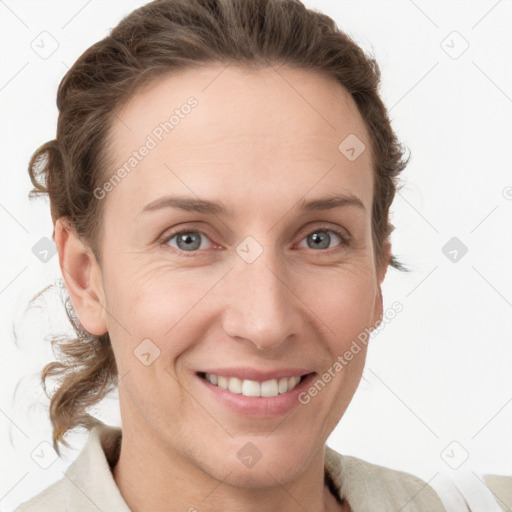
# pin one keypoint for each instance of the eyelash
(344, 244)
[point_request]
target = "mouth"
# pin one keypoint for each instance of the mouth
(253, 388)
(262, 396)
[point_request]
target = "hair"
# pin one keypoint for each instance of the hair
(157, 39)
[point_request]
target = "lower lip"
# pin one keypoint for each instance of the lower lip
(258, 406)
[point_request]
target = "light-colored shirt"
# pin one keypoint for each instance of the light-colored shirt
(88, 484)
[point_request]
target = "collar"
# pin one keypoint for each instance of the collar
(90, 484)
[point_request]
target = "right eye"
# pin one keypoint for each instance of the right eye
(186, 240)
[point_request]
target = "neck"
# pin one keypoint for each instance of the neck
(152, 478)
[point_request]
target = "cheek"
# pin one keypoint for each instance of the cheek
(344, 305)
(153, 303)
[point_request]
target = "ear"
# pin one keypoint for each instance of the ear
(82, 275)
(381, 274)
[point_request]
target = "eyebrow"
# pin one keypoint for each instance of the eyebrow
(218, 208)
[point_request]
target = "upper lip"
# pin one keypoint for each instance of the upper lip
(245, 373)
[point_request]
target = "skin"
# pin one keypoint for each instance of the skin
(259, 146)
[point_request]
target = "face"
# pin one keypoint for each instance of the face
(259, 288)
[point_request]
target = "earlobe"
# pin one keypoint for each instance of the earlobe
(82, 276)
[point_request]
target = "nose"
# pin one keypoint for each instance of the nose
(263, 306)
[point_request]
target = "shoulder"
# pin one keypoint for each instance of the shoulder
(51, 499)
(368, 486)
(500, 487)
(87, 484)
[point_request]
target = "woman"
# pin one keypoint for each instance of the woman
(220, 187)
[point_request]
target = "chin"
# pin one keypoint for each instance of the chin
(258, 462)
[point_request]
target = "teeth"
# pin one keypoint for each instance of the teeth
(268, 388)
(235, 385)
(222, 382)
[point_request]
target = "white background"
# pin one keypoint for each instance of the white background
(441, 370)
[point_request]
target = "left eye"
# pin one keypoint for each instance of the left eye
(190, 241)
(321, 239)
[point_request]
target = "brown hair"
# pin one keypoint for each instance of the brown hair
(152, 41)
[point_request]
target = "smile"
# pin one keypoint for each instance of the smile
(252, 388)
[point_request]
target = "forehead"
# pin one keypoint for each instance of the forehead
(220, 130)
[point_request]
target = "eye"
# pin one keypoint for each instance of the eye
(186, 240)
(192, 241)
(320, 239)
